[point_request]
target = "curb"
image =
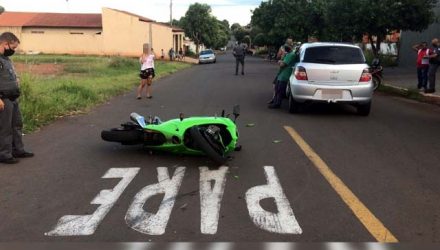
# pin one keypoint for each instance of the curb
(410, 94)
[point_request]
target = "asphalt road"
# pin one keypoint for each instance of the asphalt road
(389, 161)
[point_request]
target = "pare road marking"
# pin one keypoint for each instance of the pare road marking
(212, 186)
(86, 224)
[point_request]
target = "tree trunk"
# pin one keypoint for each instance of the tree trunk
(375, 46)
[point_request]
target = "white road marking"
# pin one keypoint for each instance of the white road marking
(284, 222)
(81, 225)
(279, 246)
(211, 195)
(155, 224)
(182, 246)
(221, 246)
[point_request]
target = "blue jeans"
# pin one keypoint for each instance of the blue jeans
(422, 75)
(280, 92)
(431, 75)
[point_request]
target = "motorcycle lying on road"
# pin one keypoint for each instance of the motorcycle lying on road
(214, 137)
(376, 73)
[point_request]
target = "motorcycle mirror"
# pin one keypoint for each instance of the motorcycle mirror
(181, 116)
(236, 111)
(223, 113)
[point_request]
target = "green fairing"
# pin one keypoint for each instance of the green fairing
(178, 128)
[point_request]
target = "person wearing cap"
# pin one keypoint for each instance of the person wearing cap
(434, 63)
(11, 125)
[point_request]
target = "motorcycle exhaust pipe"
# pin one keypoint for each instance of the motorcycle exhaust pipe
(140, 120)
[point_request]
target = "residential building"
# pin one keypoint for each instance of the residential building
(113, 32)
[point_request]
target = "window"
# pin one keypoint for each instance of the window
(334, 55)
(77, 33)
(37, 32)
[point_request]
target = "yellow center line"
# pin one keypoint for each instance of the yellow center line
(365, 216)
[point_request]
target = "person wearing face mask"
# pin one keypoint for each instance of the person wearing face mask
(11, 144)
(434, 63)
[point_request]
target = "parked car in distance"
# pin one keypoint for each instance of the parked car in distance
(207, 56)
(332, 73)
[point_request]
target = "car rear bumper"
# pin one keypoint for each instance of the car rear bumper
(208, 60)
(304, 91)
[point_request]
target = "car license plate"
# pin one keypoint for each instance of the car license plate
(331, 94)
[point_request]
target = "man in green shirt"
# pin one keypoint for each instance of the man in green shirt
(286, 68)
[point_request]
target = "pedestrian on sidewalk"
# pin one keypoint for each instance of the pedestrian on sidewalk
(422, 64)
(147, 72)
(434, 63)
(11, 125)
(239, 53)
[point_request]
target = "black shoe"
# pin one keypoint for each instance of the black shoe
(427, 91)
(274, 106)
(24, 154)
(149, 97)
(242, 73)
(11, 160)
(270, 102)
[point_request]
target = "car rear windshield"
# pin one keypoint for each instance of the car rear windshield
(206, 52)
(334, 55)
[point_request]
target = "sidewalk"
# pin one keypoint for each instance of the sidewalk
(405, 80)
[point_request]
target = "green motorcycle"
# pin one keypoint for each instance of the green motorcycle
(215, 137)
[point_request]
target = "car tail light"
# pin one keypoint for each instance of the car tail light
(301, 74)
(366, 76)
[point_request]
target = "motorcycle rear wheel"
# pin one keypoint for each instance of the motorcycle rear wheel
(125, 136)
(207, 144)
(377, 80)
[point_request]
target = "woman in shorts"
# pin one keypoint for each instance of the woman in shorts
(147, 72)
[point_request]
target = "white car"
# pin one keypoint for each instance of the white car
(207, 56)
(332, 73)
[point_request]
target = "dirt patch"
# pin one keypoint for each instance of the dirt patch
(39, 69)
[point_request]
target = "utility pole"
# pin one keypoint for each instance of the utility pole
(171, 12)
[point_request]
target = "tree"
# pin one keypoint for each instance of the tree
(198, 23)
(203, 28)
(386, 16)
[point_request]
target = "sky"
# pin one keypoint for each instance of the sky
(235, 11)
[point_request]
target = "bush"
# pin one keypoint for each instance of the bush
(121, 62)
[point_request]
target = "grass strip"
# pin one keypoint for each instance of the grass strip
(85, 82)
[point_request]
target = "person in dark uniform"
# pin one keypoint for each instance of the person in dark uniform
(239, 53)
(11, 144)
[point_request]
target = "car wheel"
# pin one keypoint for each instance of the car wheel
(364, 109)
(294, 106)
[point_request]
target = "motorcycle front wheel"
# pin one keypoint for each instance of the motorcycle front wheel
(208, 145)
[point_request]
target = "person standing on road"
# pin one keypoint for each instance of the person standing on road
(286, 68)
(239, 53)
(422, 64)
(147, 72)
(281, 51)
(434, 63)
(11, 125)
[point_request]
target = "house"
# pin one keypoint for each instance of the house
(114, 32)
